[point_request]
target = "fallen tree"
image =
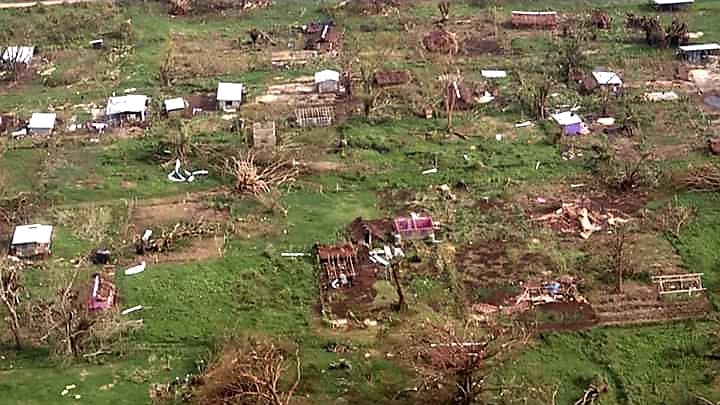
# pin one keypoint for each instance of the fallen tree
(252, 372)
(256, 178)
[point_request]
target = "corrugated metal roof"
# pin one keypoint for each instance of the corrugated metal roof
(327, 76)
(671, 2)
(42, 121)
(700, 47)
(567, 118)
(36, 233)
(610, 78)
(230, 91)
(174, 104)
(133, 103)
(21, 54)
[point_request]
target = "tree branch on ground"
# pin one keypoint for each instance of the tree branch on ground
(256, 371)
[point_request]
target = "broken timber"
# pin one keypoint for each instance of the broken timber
(679, 283)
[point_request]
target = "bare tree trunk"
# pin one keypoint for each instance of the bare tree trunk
(401, 305)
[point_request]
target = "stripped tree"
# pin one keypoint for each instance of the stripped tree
(11, 287)
(255, 371)
(252, 177)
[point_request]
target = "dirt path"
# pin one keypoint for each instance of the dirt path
(26, 4)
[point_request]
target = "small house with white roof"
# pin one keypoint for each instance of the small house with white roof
(30, 241)
(698, 54)
(608, 80)
(42, 123)
(128, 108)
(570, 122)
(229, 96)
(327, 81)
(174, 106)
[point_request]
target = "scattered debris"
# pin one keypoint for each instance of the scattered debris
(179, 175)
(572, 218)
(132, 309)
(679, 284)
(535, 19)
(441, 41)
(139, 268)
(391, 78)
(661, 96)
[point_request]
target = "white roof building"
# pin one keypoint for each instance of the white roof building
(230, 91)
(42, 121)
(133, 103)
(607, 78)
(174, 104)
(327, 76)
(567, 118)
(28, 234)
(700, 47)
(19, 54)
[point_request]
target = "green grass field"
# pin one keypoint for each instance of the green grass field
(86, 189)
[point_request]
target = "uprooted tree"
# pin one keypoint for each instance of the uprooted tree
(533, 96)
(66, 324)
(677, 33)
(462, 357)
(250, 372)
(256, 177)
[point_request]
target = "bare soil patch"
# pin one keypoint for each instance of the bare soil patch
(195, 250)
(172, 210)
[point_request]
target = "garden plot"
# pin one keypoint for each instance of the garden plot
(177, 230)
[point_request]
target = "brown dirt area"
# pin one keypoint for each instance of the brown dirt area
(496, 269)
(356, 299)
(172, 210)
(196, 250)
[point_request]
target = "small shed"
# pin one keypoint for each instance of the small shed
(128, 108)
(174, 106)
(321, 116)
(327, 81)
(30, 241)
(264, 134)
(42, 123)
(671, 5)
(535, 19)
(18, 54)
(571, 123)
(609, 80)
(698, 54)
(414, 227)
(229, 96)
(103, 295)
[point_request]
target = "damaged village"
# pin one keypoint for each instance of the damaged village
(356, 202)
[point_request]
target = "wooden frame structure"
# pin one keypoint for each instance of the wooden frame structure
(315, 116)
(679, 284)
(337, 260)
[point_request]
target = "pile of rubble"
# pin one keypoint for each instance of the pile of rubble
(572, 218)
(562, 290)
